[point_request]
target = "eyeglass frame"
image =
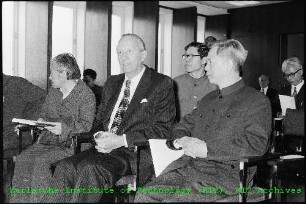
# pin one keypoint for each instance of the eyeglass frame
(186, 56)
(291, 74)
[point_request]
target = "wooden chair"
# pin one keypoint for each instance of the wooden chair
(294, 131)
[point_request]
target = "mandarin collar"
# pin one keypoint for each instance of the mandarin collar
(232, 88)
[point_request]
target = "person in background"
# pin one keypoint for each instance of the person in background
(230, 123)
(193, 85)
(21, 99)
(89, 77)
(292, 69)
(70, 104)
(137, 105)
(209, 41)
(271, 93)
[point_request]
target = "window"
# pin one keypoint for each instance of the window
(122, 22)
(7, 37)
(164, 41)
(201, 28)
(13, 38)
(68, 28)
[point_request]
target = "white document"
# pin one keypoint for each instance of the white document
(292, 156)
(286, 102)
(162, 156)
(33, 122)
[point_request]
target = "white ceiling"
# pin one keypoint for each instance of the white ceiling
(210, 8)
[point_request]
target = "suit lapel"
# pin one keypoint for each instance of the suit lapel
(140, 93)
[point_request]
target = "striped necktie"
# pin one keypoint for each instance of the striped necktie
(122, 108)
(294, 92)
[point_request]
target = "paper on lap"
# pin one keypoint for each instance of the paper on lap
(34, 122)
(162, 156)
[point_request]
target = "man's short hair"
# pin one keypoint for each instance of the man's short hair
(137, 38)
(266, 76)
(91, 73)
(210, 40)
(235, 51)
(202, 49)
(67, 62)
(292, 62)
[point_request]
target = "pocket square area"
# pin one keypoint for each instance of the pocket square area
(144, 100)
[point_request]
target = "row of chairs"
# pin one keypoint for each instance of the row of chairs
(271, 161)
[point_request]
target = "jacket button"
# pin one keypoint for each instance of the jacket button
(207, 126)
(228, 115)
(201, 116)
(232, 166)
(213, 110)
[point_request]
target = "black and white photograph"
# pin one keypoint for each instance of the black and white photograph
(153, 102)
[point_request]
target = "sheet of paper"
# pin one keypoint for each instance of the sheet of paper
(286, 102)
(162, 156)
(292, 156)
(33, 122)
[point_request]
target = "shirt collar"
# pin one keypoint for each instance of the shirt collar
(232, 88)
(135, 80)
(298, 87)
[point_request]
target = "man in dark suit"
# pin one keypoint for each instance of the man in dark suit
(271, 93)
(231, 122)
(292, 69)
(136, 106)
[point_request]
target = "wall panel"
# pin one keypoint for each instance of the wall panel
(217, 26)
(36, 42)
(97, 48)
(146, 15)
(184, 32)
(266, 24)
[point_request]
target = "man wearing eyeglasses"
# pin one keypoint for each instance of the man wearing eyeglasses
(292, 69)
(193, 85)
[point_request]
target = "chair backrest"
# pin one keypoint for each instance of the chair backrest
(293, 127)
(294, 122)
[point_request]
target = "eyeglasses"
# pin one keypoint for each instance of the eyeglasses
(185, 56)
(291, 74)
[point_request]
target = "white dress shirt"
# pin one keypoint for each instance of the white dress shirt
(298, 87)
(134, 83)
(265, 90)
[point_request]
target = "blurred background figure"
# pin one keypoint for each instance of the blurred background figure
(209, 41)
(89, 77)
(21, 99)
(271, 93)
(292, 69)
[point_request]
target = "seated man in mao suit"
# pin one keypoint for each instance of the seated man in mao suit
(231, 122)
(136, 106)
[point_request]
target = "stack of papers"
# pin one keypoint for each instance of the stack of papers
(286, 102)
(33, 122)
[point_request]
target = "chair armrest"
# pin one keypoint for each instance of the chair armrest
(21, 128)
(246, 162)
(256, 160)
(80, 138)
